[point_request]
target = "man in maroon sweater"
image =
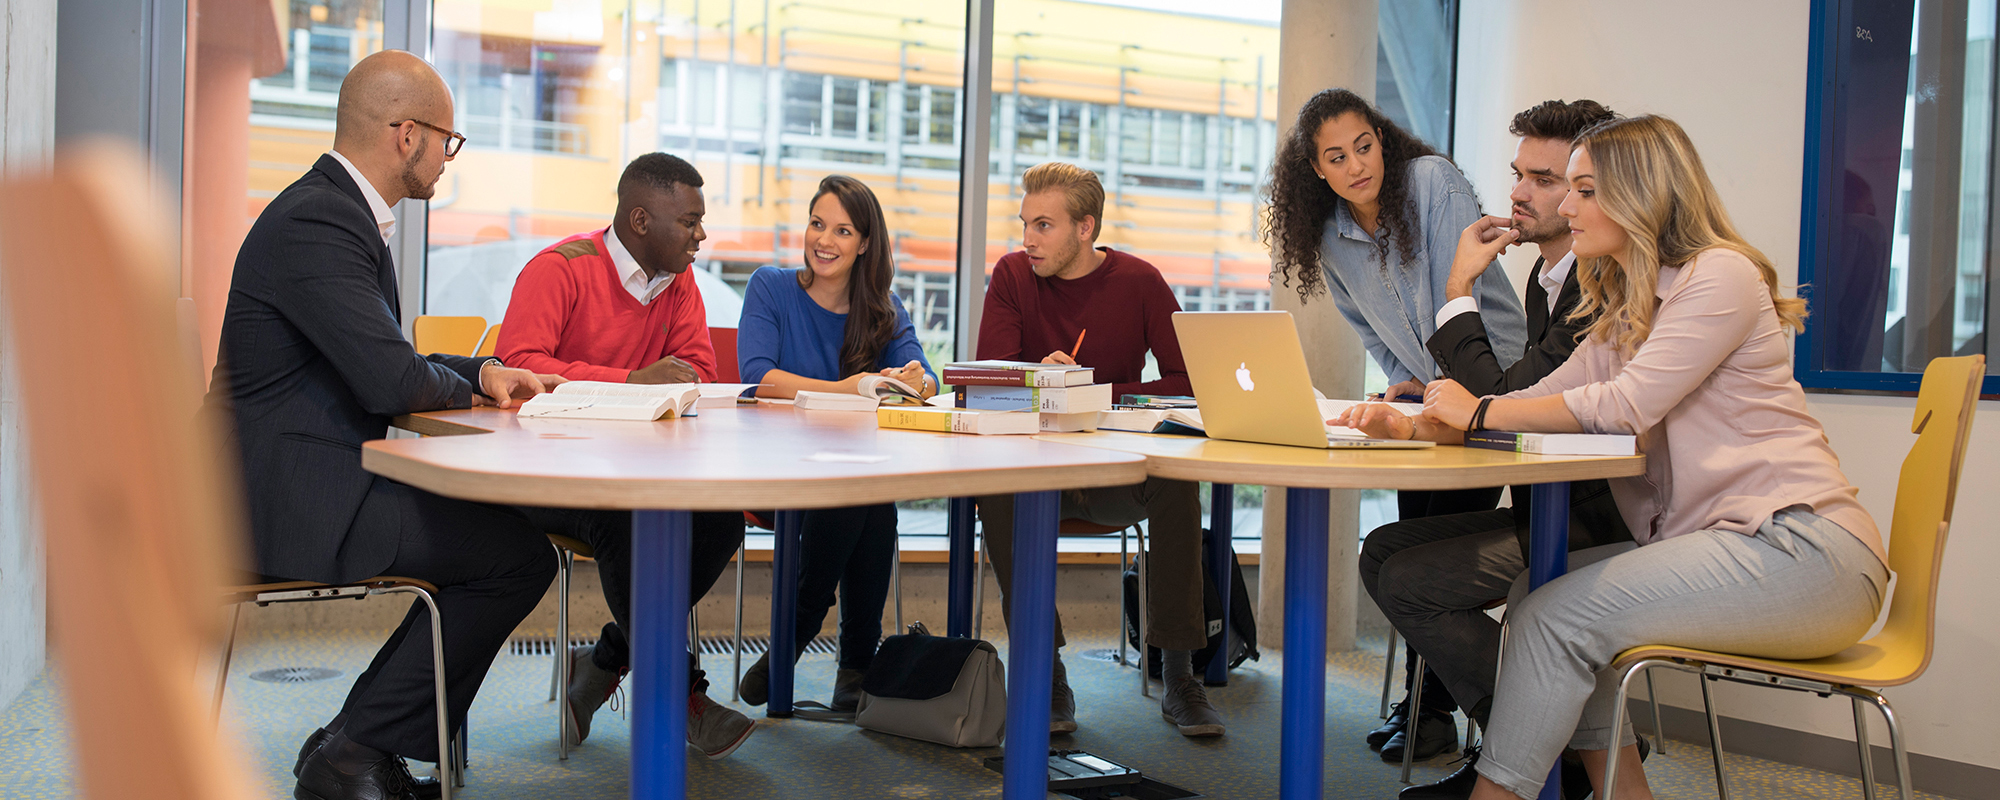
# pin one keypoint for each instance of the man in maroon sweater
(617, 305)
(1059, 290)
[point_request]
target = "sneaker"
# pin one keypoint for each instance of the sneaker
(1185, 704)
(1399, 718)
(1437, 734)
(715, 729)
(755, 686)
(589, 687)
(1062, 701)
(1458, 785)
(847, 689)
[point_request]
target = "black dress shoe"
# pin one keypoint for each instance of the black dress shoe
(1437, 735)
(343, 770)
(1456, 786)
(424, 788)
(1576, 780)
(1399, 718)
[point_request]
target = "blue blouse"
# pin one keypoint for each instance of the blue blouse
(782, 328)
(1394, 306)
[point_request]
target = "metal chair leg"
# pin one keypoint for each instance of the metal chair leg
(1861, 744)
(560, 692)
(229, 651)
(896, 580)
(1659, 725)
(1145, 564)
(1896, 745)
(1124, 563)
(462, 752)
(1388, 673)
(1714, 738)
(1415, 712)
(979, 587)
(736, 682)
(450, 776)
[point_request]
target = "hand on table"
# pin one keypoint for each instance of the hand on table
(1058, 357)
(1449, 404)
(502, 386)
(665, 370)
(911, 373)
(1411, 387)
(1377, 420)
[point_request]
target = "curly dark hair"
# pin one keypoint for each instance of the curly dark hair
(1555, 119)
(1298, 201)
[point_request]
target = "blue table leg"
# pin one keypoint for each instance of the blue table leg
(1221, 567)
(1301, 765)
(660, 559)
(1031, 646)
(958, 533)
(784, 612)
(1548, 559)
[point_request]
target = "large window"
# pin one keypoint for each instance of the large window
(1897, 238)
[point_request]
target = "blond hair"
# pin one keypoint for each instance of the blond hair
(1083, 194)
(1651, 183)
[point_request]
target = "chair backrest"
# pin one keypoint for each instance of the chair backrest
(457, 336)
(1925, 493)
(137, 518)
(490, 343)
(724, 340)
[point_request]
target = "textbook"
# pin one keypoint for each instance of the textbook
(1177, 421)
(1069, 423)
(1156, 401)
(1050, 400)
(725, 395)
(874, 391)
(957, 420)
(1015, 373)
(606, 400)
(1555, 444)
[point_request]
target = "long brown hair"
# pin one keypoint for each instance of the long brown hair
(871, 317)
(1300, 202)
(1651, 183)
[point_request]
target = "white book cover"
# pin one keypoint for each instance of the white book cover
(1070, 423)
(834, 401)
(574, 405)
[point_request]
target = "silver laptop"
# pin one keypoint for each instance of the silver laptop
(1250, 380)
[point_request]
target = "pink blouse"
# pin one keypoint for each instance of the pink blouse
(1710, 394)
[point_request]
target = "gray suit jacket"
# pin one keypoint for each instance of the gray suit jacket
(313, 363)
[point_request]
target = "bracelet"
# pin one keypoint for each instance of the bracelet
(1478, 422)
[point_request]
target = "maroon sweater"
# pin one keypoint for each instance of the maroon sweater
(1124, 303)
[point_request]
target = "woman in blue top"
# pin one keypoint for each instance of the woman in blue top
(824, 328)
(1373, 214)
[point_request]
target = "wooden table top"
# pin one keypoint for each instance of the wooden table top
(1443, 467)
(725, 459)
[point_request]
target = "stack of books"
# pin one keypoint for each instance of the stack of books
(1066, 398)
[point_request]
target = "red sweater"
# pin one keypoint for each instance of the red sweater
(571, 316)
(1124, 304)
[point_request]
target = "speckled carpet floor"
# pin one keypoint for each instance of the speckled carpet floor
(513, 729)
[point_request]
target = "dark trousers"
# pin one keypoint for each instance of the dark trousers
(849, 551)
(717, 535)
(1173, 551)
(1434, 576)
(1418, 505)
(490, 565)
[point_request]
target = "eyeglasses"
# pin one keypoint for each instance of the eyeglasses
(453, 140)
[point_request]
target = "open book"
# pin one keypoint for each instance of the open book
(873, 392)
(606, 400)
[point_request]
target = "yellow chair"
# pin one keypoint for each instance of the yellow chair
(1899, 654)
(490, 343)
(457, 336)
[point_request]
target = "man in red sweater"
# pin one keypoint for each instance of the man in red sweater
(616, 305)
(1045, 299)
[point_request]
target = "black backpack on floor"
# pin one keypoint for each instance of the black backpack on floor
(1242, 619)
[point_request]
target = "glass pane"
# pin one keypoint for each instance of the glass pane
(846, 107)
(705, 77)
(1413, 66)
(746, 99)
(945, 113)
(802, 102)
(670, 93)
(1130, 89)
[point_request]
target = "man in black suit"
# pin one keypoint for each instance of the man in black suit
(313, 363)
(1434, 576)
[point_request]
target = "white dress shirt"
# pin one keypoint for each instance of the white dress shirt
(631, 274)
(385, 217)
(1551, 280)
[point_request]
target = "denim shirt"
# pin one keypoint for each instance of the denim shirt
(1394, 306)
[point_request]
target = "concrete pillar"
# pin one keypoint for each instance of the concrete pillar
(27, 140)
(1322, 44)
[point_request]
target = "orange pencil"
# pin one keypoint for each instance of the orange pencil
(1078, 347)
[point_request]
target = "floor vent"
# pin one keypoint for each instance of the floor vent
(294, 674)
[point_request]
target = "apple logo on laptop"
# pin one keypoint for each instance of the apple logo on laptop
(1243, 377)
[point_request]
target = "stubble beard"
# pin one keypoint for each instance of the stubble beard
(415, 185)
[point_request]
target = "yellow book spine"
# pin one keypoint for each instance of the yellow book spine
(912, 419)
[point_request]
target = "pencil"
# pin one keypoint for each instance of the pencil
(1078, 347)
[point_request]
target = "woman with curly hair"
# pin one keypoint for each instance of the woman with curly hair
(1355, 198)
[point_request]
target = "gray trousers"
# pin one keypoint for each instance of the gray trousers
(1173, 550)
(1802, 587)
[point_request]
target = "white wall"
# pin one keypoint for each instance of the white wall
(27, 135)
(1733, 74)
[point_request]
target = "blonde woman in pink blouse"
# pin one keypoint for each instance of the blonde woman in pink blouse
(1749, 538)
